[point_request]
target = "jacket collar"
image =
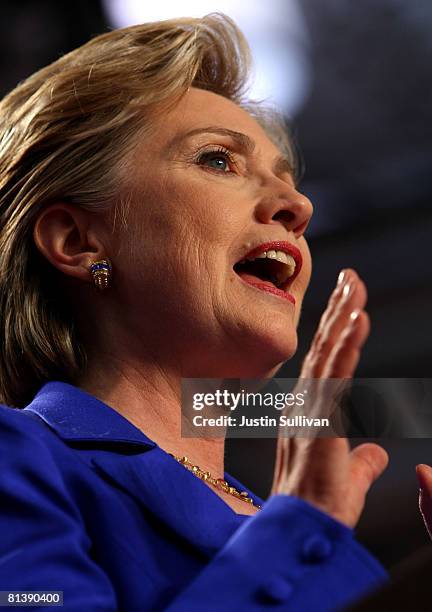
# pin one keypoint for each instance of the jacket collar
(75, 415)
(156, 480)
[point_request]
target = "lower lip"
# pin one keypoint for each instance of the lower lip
(278, 292)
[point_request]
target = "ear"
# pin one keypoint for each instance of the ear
(64, 234)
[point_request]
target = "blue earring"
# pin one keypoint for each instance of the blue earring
(101, 272)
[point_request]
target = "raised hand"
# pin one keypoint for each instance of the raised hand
(324, 471)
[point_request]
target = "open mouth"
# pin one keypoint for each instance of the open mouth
(271, 267)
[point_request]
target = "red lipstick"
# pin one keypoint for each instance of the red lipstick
(263, 285)
(279, 245)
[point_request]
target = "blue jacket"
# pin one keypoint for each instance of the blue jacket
(92, 507)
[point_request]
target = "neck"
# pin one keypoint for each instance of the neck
(150, 398)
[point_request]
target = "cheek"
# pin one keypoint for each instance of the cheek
(174, 254)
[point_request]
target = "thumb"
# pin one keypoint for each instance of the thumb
(424, 477)
(368, 461)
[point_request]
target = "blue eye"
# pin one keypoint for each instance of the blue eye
(218, 160)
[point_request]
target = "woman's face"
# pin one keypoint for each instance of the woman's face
(205, 200)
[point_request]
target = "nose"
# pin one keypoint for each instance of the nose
(287, 207)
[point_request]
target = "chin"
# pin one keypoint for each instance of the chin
(277, 341)
(277, 355)
(264, 356)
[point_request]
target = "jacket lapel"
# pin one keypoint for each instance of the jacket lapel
(162, 486)
(174, 495)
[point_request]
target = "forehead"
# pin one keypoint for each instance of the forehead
(199, 108)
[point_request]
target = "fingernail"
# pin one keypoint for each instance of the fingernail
(346, 291)
(354, 315)
(341, 277)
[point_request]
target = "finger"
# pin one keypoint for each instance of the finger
(368, 461)
(335, 297)
(345, 355)
(352, 299)
(424, 476)
(339, 367)
(344, 282)
(349, 287)
(349, 296)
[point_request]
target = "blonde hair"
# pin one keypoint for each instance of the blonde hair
(63, 132)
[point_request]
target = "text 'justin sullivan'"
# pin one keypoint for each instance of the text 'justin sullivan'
(263, 421)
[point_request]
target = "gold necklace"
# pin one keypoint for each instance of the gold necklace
(220, 483)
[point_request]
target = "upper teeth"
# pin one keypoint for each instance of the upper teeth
(279, 255)
(284, 258)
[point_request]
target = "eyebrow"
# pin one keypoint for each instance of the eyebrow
(281, 163)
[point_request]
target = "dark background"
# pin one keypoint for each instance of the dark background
(364, 131)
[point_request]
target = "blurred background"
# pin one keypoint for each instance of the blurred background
(353, 80)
